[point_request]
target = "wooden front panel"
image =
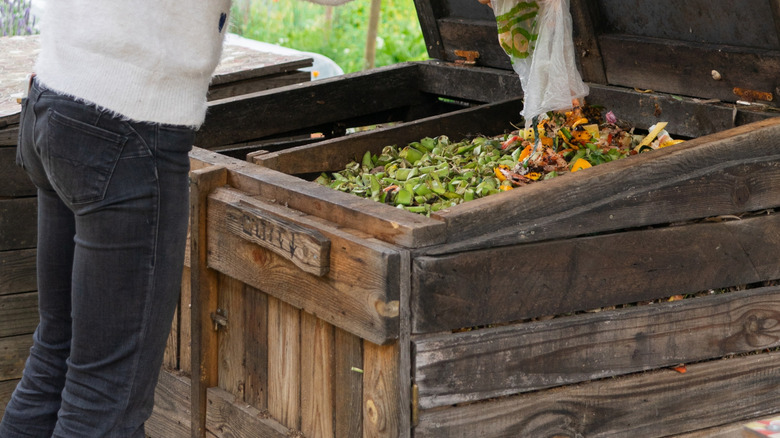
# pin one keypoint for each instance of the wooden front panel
(652, 404)
(551, 278)
(18, 217)
(15, 182)
(493, 362)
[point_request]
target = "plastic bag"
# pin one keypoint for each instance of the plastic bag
(537, 36)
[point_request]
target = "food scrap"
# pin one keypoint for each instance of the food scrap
(437, 173)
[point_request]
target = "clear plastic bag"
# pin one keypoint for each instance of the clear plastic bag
(537, 36)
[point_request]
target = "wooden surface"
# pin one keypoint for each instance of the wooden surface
(18, 314)
(237, 65)
(553, 278)
(359, 294)
(171, 414)
(16, 183)
(18, 217)
(228, 417)
(13, 353)
(17, 271)
(6, 389)
(284, 363)
(652, 404)
(488, 363)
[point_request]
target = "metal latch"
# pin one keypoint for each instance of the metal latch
(220, 319)
(470, 55)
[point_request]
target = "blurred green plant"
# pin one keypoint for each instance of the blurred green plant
(15, 18)
(338, 32)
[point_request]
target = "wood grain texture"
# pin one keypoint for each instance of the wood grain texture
(18, 219)
(229, 417)
(9, 136)
(585, 21)
(359, 294)
(6, 389)
(16, 183)
(284, 363)
(472, 84)
(230, 338)
(488, 363)
(381, 221)
(381, 391)
(557, 277)
(171, 414)
(652, 404)
(18, 314)
(185, 323)
(253, 85)
(317, 104)
(347, 385)
(317, 384)
(256, 347)
(17, 271)
(729, 172)
(13, 354)
(204, 295)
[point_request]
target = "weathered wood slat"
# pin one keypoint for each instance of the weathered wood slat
(18, 314)
(476, 84)
(382, 393)
(652, 404)
(18, 219)
(230, 417)
(256, 347)
(6, 389)
(317, 385)
(585, 19)
(16, 183)
(284, 363)
(729, 172)
(685, 68)
(359, 295)
(237, 119)
(9, 136)
(17, 271)
(482, 364)
(552, 278)
(253, 85)
(347, 384)
(13, 353)
(474, 34)
(382, 222)
(204, 296)
(185, 323)
(171, 415)
(230, 337)
(334, 155)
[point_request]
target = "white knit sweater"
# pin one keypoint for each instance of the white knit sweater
(146, 60)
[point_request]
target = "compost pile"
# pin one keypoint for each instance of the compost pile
(437, 173)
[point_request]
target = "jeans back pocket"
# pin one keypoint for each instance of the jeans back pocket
(80, 158)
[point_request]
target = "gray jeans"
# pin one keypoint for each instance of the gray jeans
(112, 225)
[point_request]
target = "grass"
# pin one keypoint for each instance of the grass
(338, 32)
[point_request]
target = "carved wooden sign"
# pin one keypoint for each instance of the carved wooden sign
(308, 249)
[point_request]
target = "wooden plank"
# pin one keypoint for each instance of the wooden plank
(307, 249)
(473, 34)
(317, 103)
(9, 136)
(230, 338)
(652, 404)
(6, 389)
(476, 84)
(171, 355)
(685, 68)
(256, 347)
(171, 414)
(203, 295)
(347, 384)
(382, 392)
(229, 417)
(253, 85)
(18, 219)
(334, 155)
(359, 294)
(185, 323)
(17, 271)
(18, 314)
(557, 277)
(489, 363)
(585, 20)
(13, 354)
(381, 221)
(284, 363)
(15, 182)
(729, 172)
(317, 385)
(430, 28)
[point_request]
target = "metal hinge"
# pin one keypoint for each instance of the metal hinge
(220, 319)
(469, 55)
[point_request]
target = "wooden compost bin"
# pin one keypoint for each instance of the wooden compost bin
(313, 312)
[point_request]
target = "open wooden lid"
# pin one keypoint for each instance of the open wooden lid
(713, 49)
